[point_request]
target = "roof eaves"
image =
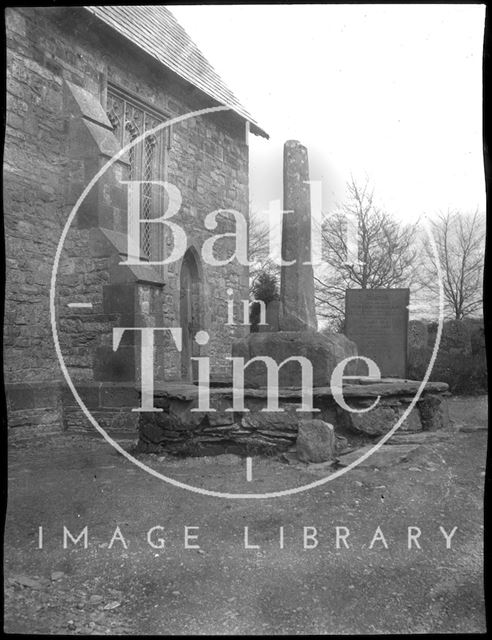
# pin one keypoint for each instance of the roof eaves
(182, 66)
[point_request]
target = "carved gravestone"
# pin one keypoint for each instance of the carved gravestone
(377, 321)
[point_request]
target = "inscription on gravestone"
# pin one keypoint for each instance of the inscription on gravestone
(377, 321)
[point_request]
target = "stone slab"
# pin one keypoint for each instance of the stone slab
(385, 456)
(90, 107)
(377, 321)
(424, 437)
(385, 387)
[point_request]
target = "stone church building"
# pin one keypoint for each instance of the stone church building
(82, 83)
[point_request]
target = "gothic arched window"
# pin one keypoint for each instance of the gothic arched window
(130, 118)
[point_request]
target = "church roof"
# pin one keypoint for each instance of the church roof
(156, 31)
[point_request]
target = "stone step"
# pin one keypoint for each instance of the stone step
(385, 456)
(423, 437)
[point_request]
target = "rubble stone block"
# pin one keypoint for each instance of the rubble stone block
(324, 352)
(315, 441)
(434, 412)
(412, 422)
(375, 422)
(285, 423)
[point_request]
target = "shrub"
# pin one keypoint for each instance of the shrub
(461, 360)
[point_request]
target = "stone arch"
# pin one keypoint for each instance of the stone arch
(191, 312)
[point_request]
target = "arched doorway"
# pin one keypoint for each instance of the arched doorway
(190, 311)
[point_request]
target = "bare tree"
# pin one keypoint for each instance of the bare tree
(460, 243)
(385, 251)
(259, 248)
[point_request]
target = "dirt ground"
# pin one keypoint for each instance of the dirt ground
(130, 586)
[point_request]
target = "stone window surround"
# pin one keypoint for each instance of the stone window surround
(150, 158)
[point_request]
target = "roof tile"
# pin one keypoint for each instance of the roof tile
(157, 32)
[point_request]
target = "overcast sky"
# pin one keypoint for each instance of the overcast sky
(391, 92)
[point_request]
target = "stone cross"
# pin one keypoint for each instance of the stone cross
(296, 280)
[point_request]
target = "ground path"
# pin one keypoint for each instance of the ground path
(223, 588)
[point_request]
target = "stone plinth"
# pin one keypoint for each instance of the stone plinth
(177, 429)
(323, 351)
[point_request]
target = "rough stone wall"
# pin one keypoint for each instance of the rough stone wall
(44, 173)
(179, 428)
